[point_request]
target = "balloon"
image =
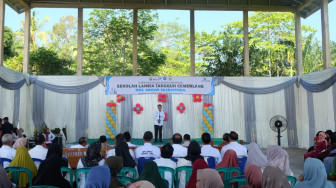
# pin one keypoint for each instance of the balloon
(138, 112)
(137, 108)
(206, 105)
(107, 137)
(181, 104)
(112, 137)
(206, 115)
(181, 111)
(181, 107)
(205, 108)
(210, 107)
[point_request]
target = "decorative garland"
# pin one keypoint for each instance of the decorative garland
(207, 123)
(111, 120)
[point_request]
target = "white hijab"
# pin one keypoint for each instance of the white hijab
(276, 156)
(255, 156)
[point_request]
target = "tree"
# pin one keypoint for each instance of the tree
(8, 43)
(45, 61)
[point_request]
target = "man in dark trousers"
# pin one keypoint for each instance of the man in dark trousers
(6, 128)
(159, 116)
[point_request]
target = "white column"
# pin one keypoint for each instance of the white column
(246, 44)
(325, 34)
(2, 30)
(135, 41)
(80, 42)
(192, 43)
(26, 42)
(298, 44)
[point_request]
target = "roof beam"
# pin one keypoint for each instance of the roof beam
(304, 5)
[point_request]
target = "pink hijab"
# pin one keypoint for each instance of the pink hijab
(253, 176)
(20, 142)
(230, 159)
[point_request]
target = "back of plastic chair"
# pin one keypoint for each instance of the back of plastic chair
(292, 180)
(239, 179)
(43, 186)
(15, 173)
(163, 169)
(241, 164)
(85, 170)
(125, 170)
(188, 172)
(37, 162)
(4, 161)
(174, 159)
(125, 180)
(142, 161)
(228, 171)
(211, 162)
(166, 183)
(68, 170)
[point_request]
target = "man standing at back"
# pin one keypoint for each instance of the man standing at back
(240, 150)
(179, 150)
(147, 150)
(158, 122)
(6, 128)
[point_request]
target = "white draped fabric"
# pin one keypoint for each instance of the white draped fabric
(6, 103)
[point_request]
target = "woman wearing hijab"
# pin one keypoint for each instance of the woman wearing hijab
(99, 176)
(122, 151)
(193, 153)
(115, 164)
(274, 177)
(20, 142)
(49, 172)
(314, 175)
(197, 165)
(208, 178)
(276, 156)
(151, 173)
(255, 156)
(142, 184)
(91, 159)
(229, 160)
(253, 176)
(321, 145)
(23, 159)
(4, 179)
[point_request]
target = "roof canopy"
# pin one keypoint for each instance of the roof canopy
(305, 7)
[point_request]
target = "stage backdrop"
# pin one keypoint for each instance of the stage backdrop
(243, 104)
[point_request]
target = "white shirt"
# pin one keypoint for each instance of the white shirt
(111, 152)
(7, 152)
(240, 150)
(38, 152)
(77, 146)
(82, 175)
(147, 150)
(130, 144)
(159, 115)
(51, 137)
(208, 151)
(166, 163)
(179, 151)
(186, 143)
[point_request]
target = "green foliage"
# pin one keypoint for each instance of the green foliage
(45, 61)
(8, 43)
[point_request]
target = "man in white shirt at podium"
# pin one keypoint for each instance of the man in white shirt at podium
(158, 122)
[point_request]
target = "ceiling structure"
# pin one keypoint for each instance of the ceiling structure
(305, 7)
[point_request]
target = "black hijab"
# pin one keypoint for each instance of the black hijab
(56, 149)
(92, 156)
(194, 152)
(49, 173)
(122, 150)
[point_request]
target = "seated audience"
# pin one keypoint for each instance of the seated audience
(20, 132)
(6, 151)
(103, 141)
(226, 139)
(328, 161)
(207, 150)
(229, 160)
(49, 172)
(274, 177)
(328, 134)
(20, 142)
(179, 150)
(56, 149)
(165, 161)
(48, 136)
(115, 165)
(128, 139)
(14, 134)
(321, 144)
(276, 156)
(142, 184)
(99, 176)
(197, 165)
(4, 179)
(23, 159)
(91, 159)
(253, 176)
(147, 150)
(123, 151)
(118, 139)
(82, 142)
(331, 146)
(314, 175)
(39, 151)
(255, 156)
(186, 140)
(208, 178)
(151, 173)
(240, 150)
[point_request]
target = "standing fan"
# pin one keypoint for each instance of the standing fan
(278, 124)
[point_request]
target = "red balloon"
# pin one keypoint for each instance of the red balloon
(166, 117)
(181, 111)
(137, 105)
(164, 100)
(206, 105)
(134, 109)
(181, 104)
(138, 112)
(114, 104)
